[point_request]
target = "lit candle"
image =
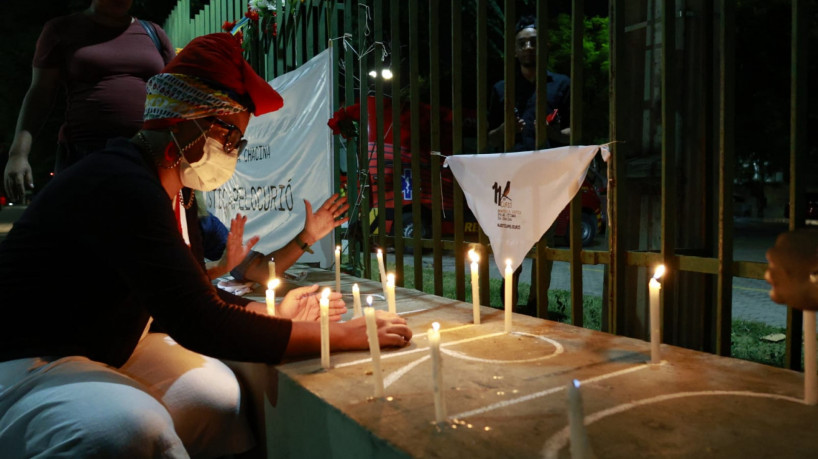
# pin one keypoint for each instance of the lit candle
(390, 292)
(324, 305)
(338, 269)
(356, 300)
(475, 288)
(509, 279)
(580, 447)
(655, 323)
(810, 377)
(271, 267)
(437, 374)
(374, 346)
(382, 271)
(271, 296)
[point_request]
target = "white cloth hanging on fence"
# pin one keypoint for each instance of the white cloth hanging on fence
(517, 196)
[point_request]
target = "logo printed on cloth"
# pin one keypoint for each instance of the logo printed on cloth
(507, 216)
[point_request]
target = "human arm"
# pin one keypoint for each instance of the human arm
(235, 249)
(305, 337)
(35, 109)
(316, 226)
(302, 304)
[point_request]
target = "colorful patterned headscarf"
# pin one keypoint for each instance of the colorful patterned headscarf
(174, 96)
(209, 76)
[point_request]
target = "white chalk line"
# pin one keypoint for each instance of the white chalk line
(560, 439)
(528, 397)
(559, 349)
(397, 374)
(414, 351)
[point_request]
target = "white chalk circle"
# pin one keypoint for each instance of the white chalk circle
(558, 349)
(559, 440)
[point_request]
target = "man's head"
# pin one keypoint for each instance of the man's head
(525, 42)
(203, 99)
(792, 269)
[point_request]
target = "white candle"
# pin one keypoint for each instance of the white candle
(390, 292)
(271, 267)
(509, 279)
(324, 306)
(655, 317)
(271, 296)
(374, 347)
(810, 377)
(338, 269)
(580, 447)
(475, 288)
(356, 300)
(382, 271)
(437, 374)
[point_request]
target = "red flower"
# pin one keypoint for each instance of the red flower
(253, 15)
(228, 26)
(343, 122)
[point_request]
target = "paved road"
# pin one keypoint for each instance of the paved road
(750, 296)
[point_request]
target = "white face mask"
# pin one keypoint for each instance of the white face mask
(212, 170)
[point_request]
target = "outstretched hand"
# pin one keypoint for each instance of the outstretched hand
(302, 304)
(328, 217)
(236, 249)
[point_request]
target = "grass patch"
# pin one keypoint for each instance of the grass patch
(746, 335)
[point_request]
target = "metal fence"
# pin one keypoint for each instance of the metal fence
(440, 55)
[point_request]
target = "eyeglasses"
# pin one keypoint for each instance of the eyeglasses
(228, 134)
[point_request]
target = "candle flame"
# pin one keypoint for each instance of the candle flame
(473, 256)
(355, 288)
(380, 252)
(369, 300)
(337, 248)
(436, 326)
(325, 293)
(660, 271)
(508, 263)
(576, 383)
(273, 284)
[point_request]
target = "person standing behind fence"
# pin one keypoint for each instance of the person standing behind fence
(102, 57)
(525, 109)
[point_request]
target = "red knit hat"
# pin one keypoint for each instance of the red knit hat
(217, 59)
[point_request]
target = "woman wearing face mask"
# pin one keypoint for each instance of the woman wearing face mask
(103, 247)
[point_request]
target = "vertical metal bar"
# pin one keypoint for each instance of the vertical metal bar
(363, 136)
(457, 148)
(577, 58)
(798, 146)
(379, 129)
(397, 165)
(434, 102)
(616, 173)
(543, 264)
(482, 129)
(414, 123)
(668, 156)
(353, 184)
(724, 281)
(335, 49)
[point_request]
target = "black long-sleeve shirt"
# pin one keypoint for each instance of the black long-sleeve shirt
(96, 253)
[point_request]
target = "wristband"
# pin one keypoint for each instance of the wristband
(304, 246)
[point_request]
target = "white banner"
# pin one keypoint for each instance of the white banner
(288, 159)
(517, 196)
